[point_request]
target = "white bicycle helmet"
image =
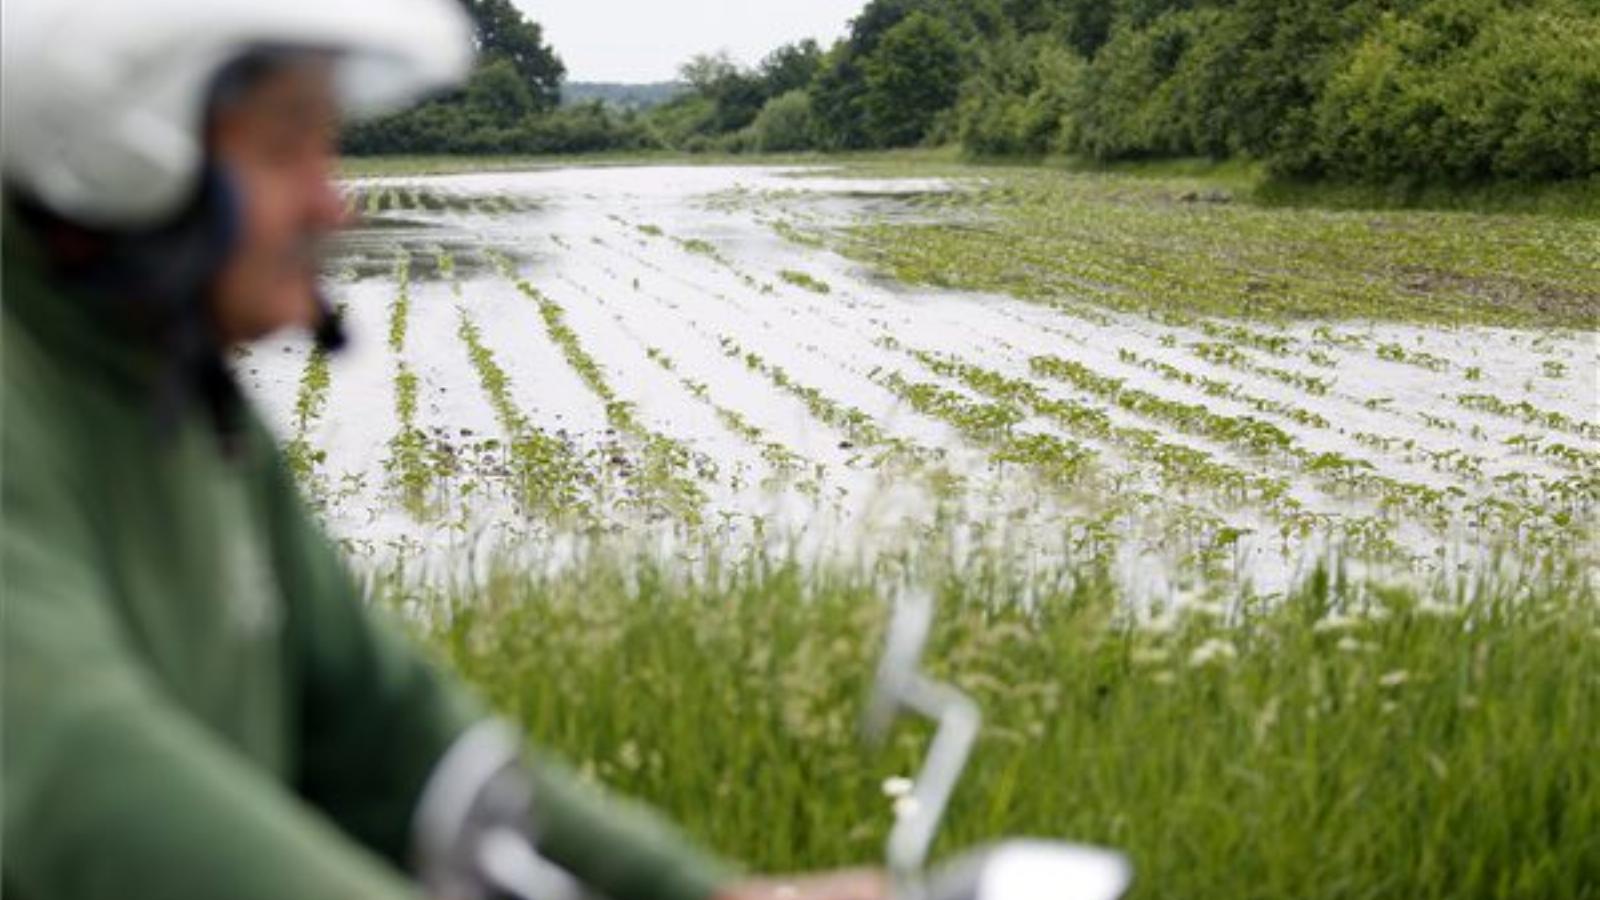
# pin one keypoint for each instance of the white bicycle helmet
(103, 100)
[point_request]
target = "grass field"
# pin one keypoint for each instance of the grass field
(1264, 534)
(1341, 742)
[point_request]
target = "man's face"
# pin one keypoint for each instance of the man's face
(278, 143)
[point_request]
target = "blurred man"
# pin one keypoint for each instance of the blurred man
(196, 703)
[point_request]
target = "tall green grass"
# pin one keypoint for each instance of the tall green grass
(1345, 741)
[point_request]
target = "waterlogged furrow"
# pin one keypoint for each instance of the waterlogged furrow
(1063, 458)
(548, 473)
(860, 427)
(1107, 518)
(875, 470)
(787, 466)
(783, 464)
(866, 449)
(811, 454)
(1570, 498)
(1479, 445)
(1222, 344)
(757, 326)
(1442, 507)
(1062, 462)
(1180, 471)
(1523, 411)
(1510, 477)
(668, 477)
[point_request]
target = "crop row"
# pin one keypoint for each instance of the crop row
(408, 465)
(550, 475)
(860, 428)
(310, 399)
(1439, 505)
(1454, 459)
(668, 471)
(1527, 412)
(1248, 434)
(1181, 468)
(787, 465)
(402, 198)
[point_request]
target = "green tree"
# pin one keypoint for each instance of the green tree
(838, 101)
(912, 77)
(1127, 105)
(791, 67)
(736, 95)
(785, 124)
(1464, 91)
(498, 95)
(503, 32)
(1020, 100)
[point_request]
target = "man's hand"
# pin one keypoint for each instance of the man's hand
(854, 884)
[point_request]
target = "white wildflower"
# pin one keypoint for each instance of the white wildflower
(1206, 609)
(1149, 656)
(906, 807)
(1213, 650)
(1334, 623)
(1163, 677)
(1351, 645)
(629, 756)
(1164, 622)
(1266, 720)
(1395, 678)
(1436, 763)
(897, 786)
(1434, 609)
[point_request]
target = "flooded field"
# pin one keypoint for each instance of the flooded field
(1298, 506)
(851, 364)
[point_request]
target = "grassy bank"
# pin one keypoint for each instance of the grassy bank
(1348, 741)
(1179, 240)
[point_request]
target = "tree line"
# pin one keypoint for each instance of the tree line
(1450, 91)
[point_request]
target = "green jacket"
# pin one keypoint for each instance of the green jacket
(196, 702)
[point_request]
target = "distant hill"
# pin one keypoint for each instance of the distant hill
(622, 96)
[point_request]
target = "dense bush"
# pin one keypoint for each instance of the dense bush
(1020, 100)
(1129, 100)
(1466, 93)
(447, 128)
(1447, 91)
(913, 77)
(785, 124)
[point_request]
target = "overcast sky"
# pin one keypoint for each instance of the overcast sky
(646, 40)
